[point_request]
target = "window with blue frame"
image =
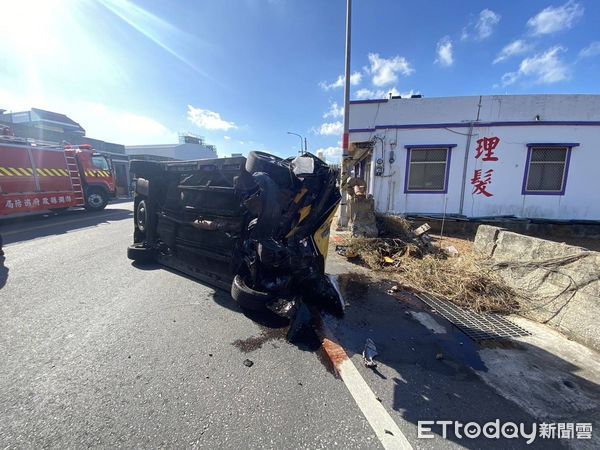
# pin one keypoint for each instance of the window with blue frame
(427, 168)
(547, 168)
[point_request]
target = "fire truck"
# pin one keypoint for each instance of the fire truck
(35, 176)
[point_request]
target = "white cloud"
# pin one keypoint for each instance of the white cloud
(444, 52)
(355, 80)
(363, 94)
(385, 71)
(331, 128)
(122, 127)
(99, 120)
(488, 19)
(483, 27)
(542, 68)
(226, 138)
(334, 111)
(517, 47)
(553, 19)
(591, 50)
(331, 154)
(208, 120)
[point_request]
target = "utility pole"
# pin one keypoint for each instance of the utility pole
(305, 146)
(343, 219)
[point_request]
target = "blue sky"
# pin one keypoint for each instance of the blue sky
(244, 72)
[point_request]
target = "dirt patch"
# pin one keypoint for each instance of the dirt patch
(424, 265)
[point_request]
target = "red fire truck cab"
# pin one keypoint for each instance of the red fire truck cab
(38, 177)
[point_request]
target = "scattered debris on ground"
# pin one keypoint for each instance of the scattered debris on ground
(369, 353)
(421, 264)
(393, 289)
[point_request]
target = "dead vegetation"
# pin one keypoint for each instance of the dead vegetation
(419, 265)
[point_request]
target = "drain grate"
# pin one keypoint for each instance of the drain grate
(478, 326)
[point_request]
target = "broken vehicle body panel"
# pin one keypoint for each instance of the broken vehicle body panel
(258, 226)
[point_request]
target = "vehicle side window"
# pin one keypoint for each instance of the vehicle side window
(100, 162)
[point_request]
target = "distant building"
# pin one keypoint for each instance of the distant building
(189, 147)
(57, 128)
(529, 156)
(53, 127)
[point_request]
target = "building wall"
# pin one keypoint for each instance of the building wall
(510, 118)
(40, 131)
(187, 151)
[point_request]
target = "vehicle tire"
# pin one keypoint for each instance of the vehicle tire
(272, 165)
(141, 216)
(248, 298)
(140, 254)
(95, 199)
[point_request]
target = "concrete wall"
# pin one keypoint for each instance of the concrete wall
(559, 284)
(446, 121)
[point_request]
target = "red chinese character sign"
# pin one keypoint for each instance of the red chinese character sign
(486, 147)
(484, 151)
(480, 182)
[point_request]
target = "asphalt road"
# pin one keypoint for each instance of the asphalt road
(97, 352)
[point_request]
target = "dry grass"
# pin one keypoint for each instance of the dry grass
(465, 280)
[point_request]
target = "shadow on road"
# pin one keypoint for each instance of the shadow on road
(3, 272)
(273, 327)
(434, 374)
(41, 225)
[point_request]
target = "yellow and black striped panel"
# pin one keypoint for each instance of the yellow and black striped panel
(97, 173)
(28, 172)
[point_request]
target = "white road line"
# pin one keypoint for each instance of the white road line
(381, 422)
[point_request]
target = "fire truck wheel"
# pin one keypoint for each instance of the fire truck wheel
(248, 298)
(140, 254)
(96, 200)
(141, 216)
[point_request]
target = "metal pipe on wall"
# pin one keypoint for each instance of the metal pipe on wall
(466, 161)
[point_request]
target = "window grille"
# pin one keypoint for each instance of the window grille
(427, 169)
(547, 169)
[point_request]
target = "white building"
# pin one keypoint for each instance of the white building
(190, 147)
(531, 156)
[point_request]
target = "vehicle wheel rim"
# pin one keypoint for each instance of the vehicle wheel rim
(95, 200)
(141, 218)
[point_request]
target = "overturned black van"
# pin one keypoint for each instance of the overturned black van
(256, 226)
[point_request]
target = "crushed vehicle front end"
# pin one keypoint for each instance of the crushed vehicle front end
(256, 226)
